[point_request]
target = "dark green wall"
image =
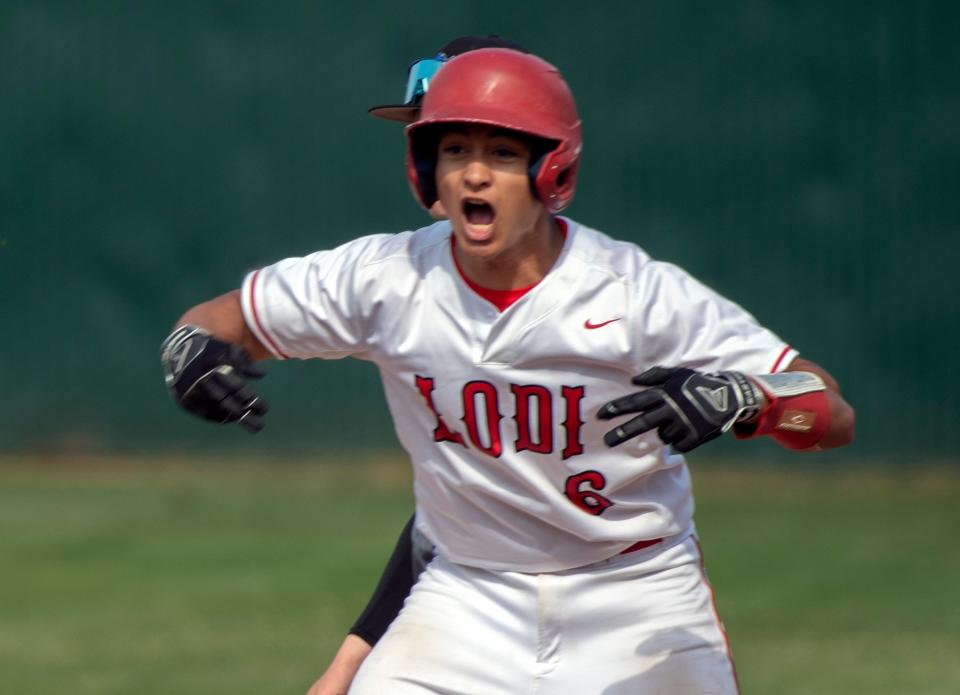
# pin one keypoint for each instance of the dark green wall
(802, 157)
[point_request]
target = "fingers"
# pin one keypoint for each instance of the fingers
(638, 425)
(246, 408)
(651, 403)
(229, 399)
(251, 421)
(672, 432)
(634, 403)
(238, 404)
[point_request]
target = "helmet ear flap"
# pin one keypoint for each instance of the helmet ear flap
(556, 178)
(422, 164)
(538, 153)
(567, 182)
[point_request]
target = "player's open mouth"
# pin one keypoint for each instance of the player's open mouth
(478, 212)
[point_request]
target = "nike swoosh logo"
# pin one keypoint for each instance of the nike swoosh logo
(591, 326)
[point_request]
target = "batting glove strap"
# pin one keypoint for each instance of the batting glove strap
(207, 377)
(686, 407)
(785, 384)
(796, 413)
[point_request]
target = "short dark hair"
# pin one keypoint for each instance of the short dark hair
(464, 44)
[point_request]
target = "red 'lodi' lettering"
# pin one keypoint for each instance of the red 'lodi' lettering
(572, 395)
(488, 393)
(441, 433)
(533, 417)
(540, 395)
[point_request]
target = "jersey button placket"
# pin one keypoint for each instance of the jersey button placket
(486, 316)
(481, 332)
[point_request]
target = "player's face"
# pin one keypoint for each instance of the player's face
(483, 185)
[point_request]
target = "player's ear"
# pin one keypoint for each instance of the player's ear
(437, 212)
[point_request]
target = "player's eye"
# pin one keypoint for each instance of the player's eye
(506, 153)
(452, 148)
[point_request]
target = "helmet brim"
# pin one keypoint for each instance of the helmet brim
(396, 112)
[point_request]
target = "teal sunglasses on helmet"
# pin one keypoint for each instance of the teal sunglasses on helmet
(418, 78)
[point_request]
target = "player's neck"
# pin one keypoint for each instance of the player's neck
(521, 264)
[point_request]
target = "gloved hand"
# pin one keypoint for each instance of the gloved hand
(207, 377)
(686, 407)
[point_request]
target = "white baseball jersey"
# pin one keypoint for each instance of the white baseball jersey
(497, 409)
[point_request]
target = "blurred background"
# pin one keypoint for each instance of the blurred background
(801, 158)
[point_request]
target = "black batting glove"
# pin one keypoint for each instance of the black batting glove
(208, 377)
(686, 407)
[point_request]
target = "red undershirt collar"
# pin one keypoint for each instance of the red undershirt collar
(499, 298)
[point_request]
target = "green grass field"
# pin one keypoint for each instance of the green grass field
(171, 577)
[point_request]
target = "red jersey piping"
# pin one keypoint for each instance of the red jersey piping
(776, 365)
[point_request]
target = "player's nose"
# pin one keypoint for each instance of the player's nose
(477, 174)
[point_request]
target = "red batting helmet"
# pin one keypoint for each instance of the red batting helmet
(506, 89)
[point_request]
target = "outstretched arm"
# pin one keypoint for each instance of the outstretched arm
(801, 408)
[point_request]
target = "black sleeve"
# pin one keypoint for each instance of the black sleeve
(394, 586)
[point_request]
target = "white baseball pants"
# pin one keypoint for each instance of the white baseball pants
(640, 623)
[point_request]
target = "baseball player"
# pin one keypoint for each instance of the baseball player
(555, 493)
